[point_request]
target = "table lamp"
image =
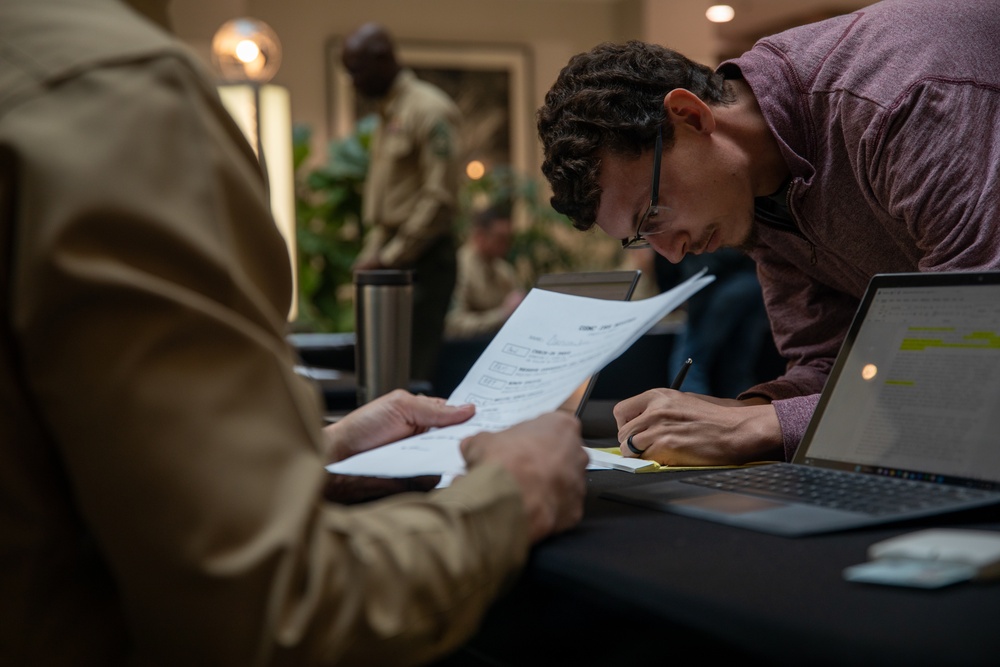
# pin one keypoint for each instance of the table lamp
(247, 53)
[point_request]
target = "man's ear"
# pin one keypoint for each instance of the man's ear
(685, 108)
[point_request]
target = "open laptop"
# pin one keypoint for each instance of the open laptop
(608, 285)
(910, 413)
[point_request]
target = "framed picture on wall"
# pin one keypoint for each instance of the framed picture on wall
(489, 83)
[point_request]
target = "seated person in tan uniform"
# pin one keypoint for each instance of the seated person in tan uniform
(488, 290)
(161, 493)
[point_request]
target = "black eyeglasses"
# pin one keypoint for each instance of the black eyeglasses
(639, 241)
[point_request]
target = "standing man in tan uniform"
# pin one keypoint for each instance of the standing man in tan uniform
(162, 485)
(411, 191)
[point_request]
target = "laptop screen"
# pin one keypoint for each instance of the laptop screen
(608, 285)
(915, 391)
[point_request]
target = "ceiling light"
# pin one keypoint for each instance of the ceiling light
(720, 13)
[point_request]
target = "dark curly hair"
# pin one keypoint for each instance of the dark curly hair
(611, 98)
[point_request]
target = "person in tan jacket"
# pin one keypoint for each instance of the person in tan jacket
(488, 290)
(162, 487)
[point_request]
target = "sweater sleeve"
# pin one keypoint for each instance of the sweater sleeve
(809, 321)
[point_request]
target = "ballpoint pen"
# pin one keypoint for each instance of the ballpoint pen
(681, 374)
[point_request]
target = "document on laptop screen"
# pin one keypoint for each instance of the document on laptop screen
(546, 349)
(920, 386)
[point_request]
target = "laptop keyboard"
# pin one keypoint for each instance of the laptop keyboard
(835, 489)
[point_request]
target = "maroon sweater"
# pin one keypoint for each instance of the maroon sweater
(889, 120)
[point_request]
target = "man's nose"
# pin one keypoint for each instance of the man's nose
(672, 245)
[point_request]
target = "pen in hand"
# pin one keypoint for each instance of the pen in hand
(681, 374)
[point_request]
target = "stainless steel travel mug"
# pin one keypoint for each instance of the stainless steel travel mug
(383, 318)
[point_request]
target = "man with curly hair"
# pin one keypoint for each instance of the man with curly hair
(863, 144)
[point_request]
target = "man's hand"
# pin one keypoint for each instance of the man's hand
(546, 457)
(674, 428)
(398, 414)
(370, 264)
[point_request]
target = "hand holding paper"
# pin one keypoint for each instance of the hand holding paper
(546, 457)
(548, 347)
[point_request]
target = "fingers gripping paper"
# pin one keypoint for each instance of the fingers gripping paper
(547, 348)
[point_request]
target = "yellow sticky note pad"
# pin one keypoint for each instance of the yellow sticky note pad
(611, 457)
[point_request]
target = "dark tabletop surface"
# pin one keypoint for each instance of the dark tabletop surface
(637, 586)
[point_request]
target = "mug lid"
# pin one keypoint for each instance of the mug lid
(383, 277)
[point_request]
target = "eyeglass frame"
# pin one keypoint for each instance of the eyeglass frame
(638, 241)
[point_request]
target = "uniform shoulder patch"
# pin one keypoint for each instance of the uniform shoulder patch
(440, 139)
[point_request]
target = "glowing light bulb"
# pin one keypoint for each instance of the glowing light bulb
(720, 13)
(246, 50)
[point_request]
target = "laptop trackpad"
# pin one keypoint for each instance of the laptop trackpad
(728, 503)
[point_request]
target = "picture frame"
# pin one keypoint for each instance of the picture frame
(489, 82)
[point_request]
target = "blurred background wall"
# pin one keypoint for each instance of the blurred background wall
(548, 31)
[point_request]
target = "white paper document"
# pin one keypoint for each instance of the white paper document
(546, 349)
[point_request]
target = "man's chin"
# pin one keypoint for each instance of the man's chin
(750, 241)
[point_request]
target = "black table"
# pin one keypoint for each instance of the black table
(632, 586)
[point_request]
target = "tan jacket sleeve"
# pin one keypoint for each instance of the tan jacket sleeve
(434, 203)
(150, 308)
